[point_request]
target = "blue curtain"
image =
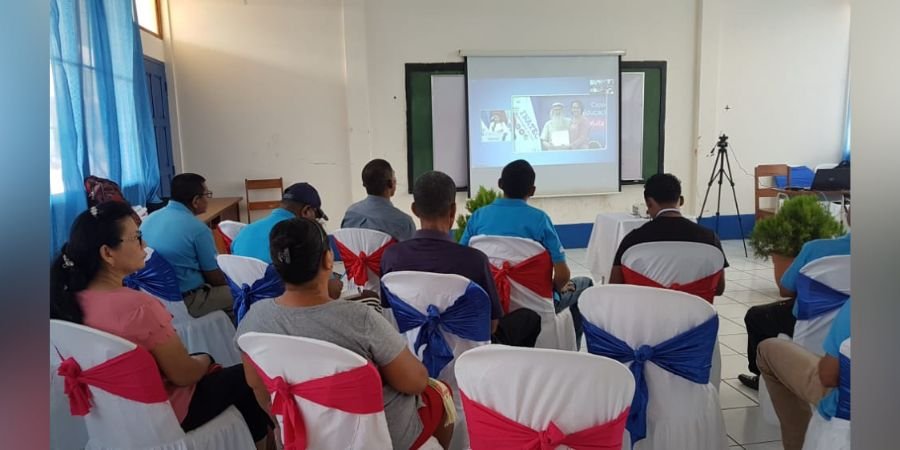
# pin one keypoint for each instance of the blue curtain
(845, 156)
(100, 121)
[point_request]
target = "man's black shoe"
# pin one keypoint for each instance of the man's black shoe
(751, 381)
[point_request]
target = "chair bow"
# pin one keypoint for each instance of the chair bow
(469, 317)
(359, 264)
(704, 288)
(157, 278)
(490, 430)
(356, 391)
(688, 355)
(843, 406)
(269, 286)
(815, 298)
(534, 273)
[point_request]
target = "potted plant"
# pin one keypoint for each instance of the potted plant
(482, 198)
(799, 220)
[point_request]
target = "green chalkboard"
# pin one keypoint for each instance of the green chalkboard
(654, 114)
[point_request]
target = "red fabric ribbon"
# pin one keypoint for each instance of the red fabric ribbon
(535, 273)
(704, 288)
(356, 391)
(133, 375)
(489, 429)
(357, 264)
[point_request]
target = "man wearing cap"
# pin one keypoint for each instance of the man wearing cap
(555, 134)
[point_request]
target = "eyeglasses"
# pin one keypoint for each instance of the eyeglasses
(207, 194)
(137, 237)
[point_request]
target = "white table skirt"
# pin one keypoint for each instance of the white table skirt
(608, 232)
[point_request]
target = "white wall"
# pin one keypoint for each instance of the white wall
(781, 69)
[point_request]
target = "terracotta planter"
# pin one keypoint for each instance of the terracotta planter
(781, 264)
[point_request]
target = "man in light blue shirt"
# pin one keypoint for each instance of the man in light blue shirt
(797, 378)
(187, 244)
(375, 212)
(513, 216)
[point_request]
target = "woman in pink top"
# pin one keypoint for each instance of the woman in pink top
(104, 246)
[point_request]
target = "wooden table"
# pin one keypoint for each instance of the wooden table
(217, 210)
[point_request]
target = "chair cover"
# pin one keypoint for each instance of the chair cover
(543, 406)
(67, 432)
(325, 427)
(212, 333)
(361, 251)
(250, 280)
(834, 434)
(230, 230)
(443, 316)
(823, 286)
(680, 413)
(114, 422)
(557, 330)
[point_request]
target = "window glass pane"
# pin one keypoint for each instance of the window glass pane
(146, 14)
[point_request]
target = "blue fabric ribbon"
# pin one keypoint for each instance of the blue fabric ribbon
(269, 286)
(469, 317)
(688, 355)
(843, 406)
(815, 298)
(157, 278)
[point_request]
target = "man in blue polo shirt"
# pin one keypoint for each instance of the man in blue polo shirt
(513, 216)
(187, 244)
(797, 378)
(376, 212)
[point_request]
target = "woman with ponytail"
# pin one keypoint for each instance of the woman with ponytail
(104, 247)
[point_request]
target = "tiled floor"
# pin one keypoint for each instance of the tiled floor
(748, 282)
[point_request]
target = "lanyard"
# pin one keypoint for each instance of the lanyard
(665, 210)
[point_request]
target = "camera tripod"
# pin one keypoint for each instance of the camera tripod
(719, 172)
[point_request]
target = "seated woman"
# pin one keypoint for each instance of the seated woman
(303, 259)
(104, 246)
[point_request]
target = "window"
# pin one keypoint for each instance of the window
(148, 16)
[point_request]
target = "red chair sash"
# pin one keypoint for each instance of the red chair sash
(356, 391)
(491, 430)
(132, 375)
(358, 265)
(704, 288)
(535, 273)
(225, 239)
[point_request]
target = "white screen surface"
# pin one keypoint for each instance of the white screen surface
(560, 113)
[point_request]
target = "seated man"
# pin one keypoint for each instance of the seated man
(770, 320)
(662, 193)
(797, 378)
(375, 212)
(298, 200)
(431, 249)
(513, 216)
(187, 244)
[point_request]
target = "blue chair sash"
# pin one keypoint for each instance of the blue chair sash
(843, 406)
(815, 298)
(269, 286)
(157, 278)
(688, 355)
(469, 317)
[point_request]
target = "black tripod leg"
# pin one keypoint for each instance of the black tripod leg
(736, 208)
(712, 177)
(721, 172)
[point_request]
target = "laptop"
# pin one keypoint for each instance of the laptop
(837, 179)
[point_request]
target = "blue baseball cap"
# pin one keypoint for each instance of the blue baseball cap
(306, 194)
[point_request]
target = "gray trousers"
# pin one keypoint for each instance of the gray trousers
(207, 299)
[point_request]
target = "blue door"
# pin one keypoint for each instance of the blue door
(159, 103)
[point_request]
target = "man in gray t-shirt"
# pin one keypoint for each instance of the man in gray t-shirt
(355, 327)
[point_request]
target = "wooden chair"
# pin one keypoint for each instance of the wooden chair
(769, 190)
(262, 184)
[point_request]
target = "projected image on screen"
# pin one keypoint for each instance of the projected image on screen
(561, 114)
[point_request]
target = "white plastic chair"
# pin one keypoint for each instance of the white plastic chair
(421, 289)
(67, 432)
(368, 242)
(536, 386)
(557, 330)
(230, 230)
(680, 413)
(678, 262)
(212, 333)
(834, 434)
(326, 428)
(834, 272)
(118, 423)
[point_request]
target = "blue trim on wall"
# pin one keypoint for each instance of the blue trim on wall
(728, 225)
(574, 235)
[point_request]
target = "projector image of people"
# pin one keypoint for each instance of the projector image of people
(568, 122)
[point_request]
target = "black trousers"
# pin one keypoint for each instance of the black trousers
(519, 328)
(767, 321)
(216, 392)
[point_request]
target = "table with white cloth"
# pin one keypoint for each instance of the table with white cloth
(608, 232)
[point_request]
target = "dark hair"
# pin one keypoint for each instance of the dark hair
(376, 176)
(186, 186)
(79, 261)
(517, 179)
(296, 247)
(663, 187)
(433, 193)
